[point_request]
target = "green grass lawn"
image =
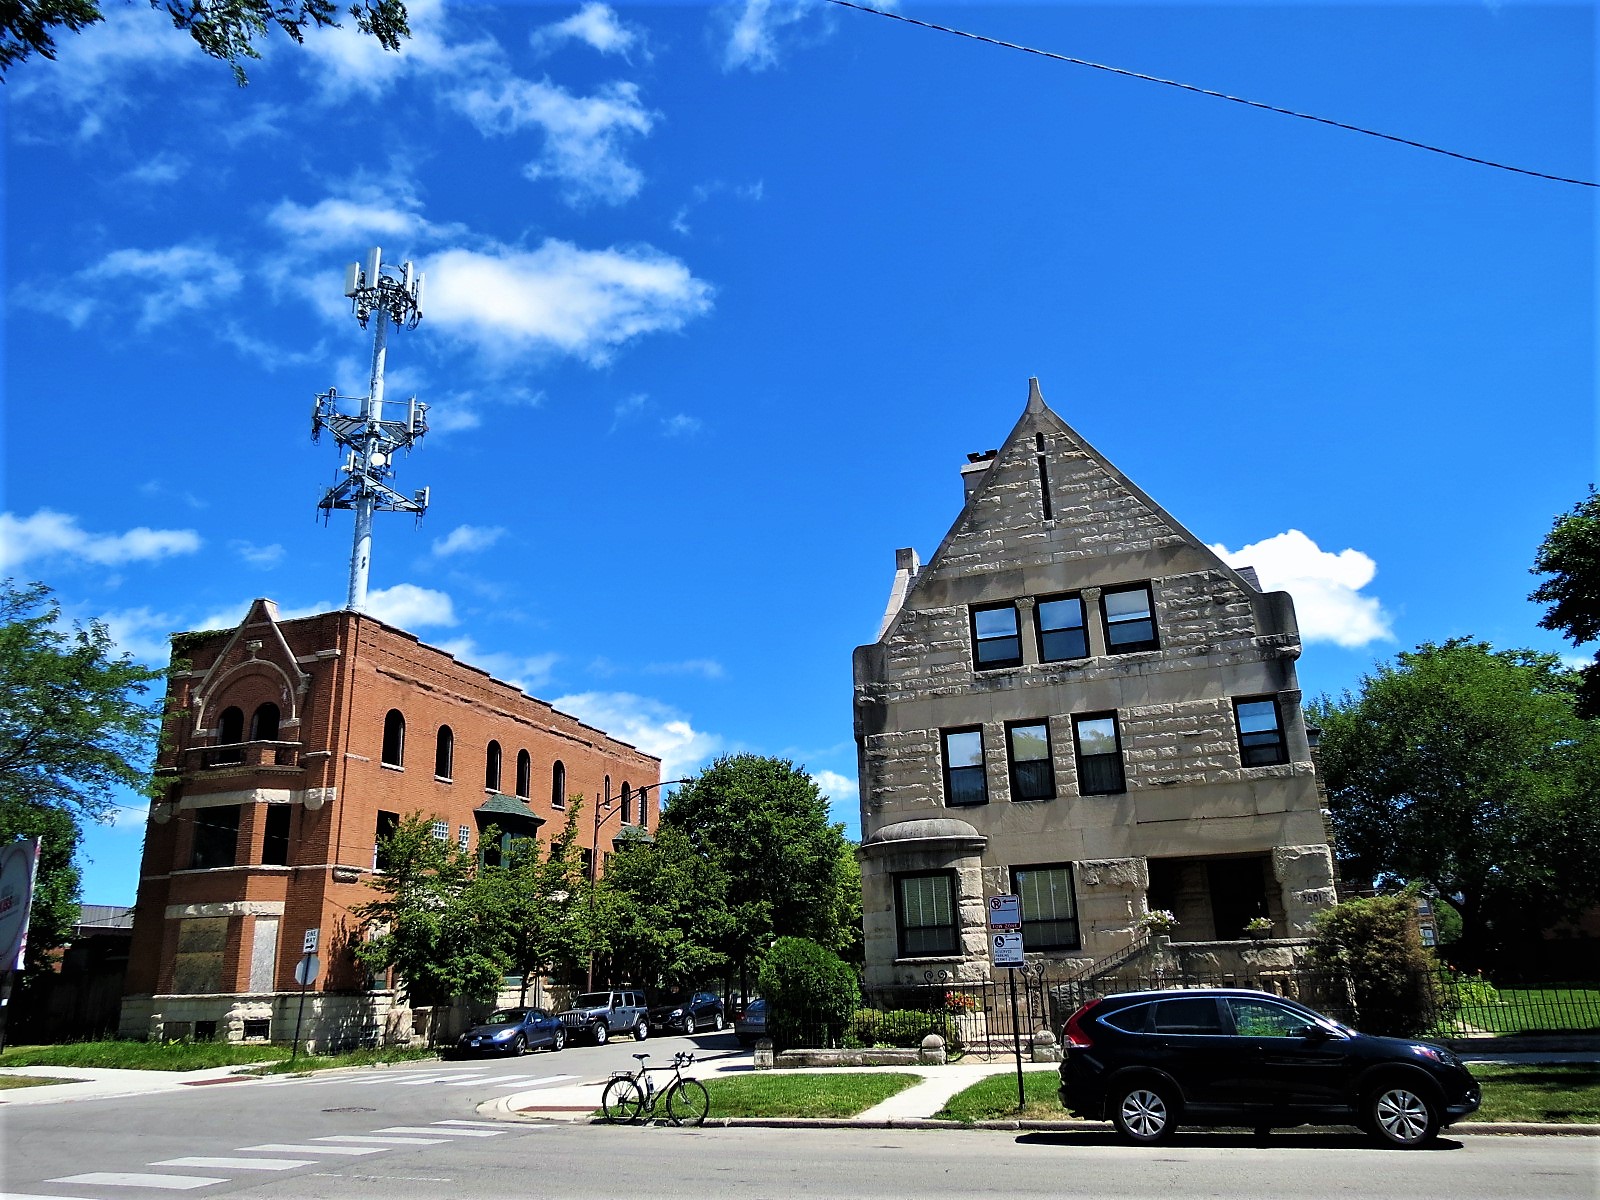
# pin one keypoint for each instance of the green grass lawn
(1533, 1010)
(1559, 1093)
(22, 1081)
(140, 1056)
(995, 1099)
(307, 1063)
(811, 1095)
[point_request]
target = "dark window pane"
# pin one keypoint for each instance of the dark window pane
(1061, 632)
(394, 738)
(1260, 733)
(1054, 646)
(967, 786)
(1100, 774)
(1032, 781)
(995, 638)
(216, 837)
(1196, 1014)
(275, 848)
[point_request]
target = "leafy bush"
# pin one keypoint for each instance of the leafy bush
(811, 994)
(903, 1027)
(1372, 944)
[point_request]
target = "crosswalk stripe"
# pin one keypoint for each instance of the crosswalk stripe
(237, 1164)
(474, 1124)
(383, 1141)
(33, 1196)
(135, 1179)
(436, 1129)
(290, 1148)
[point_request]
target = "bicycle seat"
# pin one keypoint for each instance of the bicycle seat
(641, 1057)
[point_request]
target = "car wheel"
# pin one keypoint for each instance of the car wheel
(716, 1022)
(1143, 1112)
(1400, 1115)
(559, 1041)
(688, 1023)
(641, 1030)
(602, 1033)
(519, 1046)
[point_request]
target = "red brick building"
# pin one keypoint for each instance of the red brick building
(295, 746)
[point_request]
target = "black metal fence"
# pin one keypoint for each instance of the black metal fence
(978, 1018)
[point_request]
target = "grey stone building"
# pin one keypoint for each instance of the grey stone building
(1077, 701)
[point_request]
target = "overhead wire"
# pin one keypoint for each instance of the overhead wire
(1190, 87)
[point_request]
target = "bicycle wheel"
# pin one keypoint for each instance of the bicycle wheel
(623, 1100)
(688, 1102)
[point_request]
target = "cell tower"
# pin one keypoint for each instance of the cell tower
(358, 424)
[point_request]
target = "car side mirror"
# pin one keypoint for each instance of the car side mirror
(1317, 1034)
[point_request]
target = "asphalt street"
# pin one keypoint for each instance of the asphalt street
(417, 1132)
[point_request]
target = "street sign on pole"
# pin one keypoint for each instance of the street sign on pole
(310, 946)
(1005, 912)
(1007, 948)
(307, 970)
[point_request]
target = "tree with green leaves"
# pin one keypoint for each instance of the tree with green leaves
(671, 917)
(764, 826)
(1570, 555)
(543, 893)
(1467, 768)
(224, 29)
(439, 921)
(73, 726)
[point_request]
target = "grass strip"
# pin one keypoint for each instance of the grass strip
(305, 1064)
(140, 1056)
(809, 1095)
(994, 1098)
(22, 1081)
(1555, 1093)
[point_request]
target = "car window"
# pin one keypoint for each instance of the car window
(1191, 1014)
(504, 1016)
(1261, 1018)
(1132, 1019)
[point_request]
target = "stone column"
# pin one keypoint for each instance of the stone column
(1027, 631)
(1094, 632)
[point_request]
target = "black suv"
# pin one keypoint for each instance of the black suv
(1149, 1060)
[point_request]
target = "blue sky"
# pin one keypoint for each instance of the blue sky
(720, 297)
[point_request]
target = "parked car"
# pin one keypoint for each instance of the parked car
(682, 1011)
(599, 1016)
(513, 1031)
(751, 1026)
(1148, 1061)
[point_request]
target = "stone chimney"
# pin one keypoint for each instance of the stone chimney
(978, 464)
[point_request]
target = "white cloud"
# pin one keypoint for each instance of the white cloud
(160, 168)
(229, 616)
(411, 607)
(754, 29)
(53, 535)
(1326, 587)
(527, 671)
(594, 23)
(344, 61)
(583, 134)
(706, 668)
(349, 220)
(258, 556)
(170, 281)
(654, 727)
(559, 297)
(680, 424)
(143, 633)
(465, 539)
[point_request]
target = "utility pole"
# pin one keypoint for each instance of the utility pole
(395, 295)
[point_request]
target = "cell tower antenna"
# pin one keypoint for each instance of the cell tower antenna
(395, 295)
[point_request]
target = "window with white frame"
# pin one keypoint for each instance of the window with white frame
(441, 831)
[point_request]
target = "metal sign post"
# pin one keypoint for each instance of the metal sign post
(305, 972)
(1005, 945)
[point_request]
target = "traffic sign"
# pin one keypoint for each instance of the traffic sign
(1007, 948)
(307, 970)
(310, 946)
(1005, 912)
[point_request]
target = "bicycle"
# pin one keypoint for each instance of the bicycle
(631, 1095)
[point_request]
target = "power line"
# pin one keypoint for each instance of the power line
(1189, 87)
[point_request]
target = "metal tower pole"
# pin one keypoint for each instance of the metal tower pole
(391, 294)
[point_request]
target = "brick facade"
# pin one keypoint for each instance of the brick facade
(222, 911)
(1047, 520)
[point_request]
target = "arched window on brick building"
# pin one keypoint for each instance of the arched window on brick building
(230, 732)
(394, 738)
(558, 784)
(444, 754)
(524, 774)
(627, 803)
(264, 724)
(491, 768)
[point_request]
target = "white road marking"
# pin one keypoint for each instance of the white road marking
(474, 1124)
(32, 1196)
(291, 1148)
(436, 1129)
(382, 1141)
(238, 1164)
(134, 1179)
(499, 1079)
